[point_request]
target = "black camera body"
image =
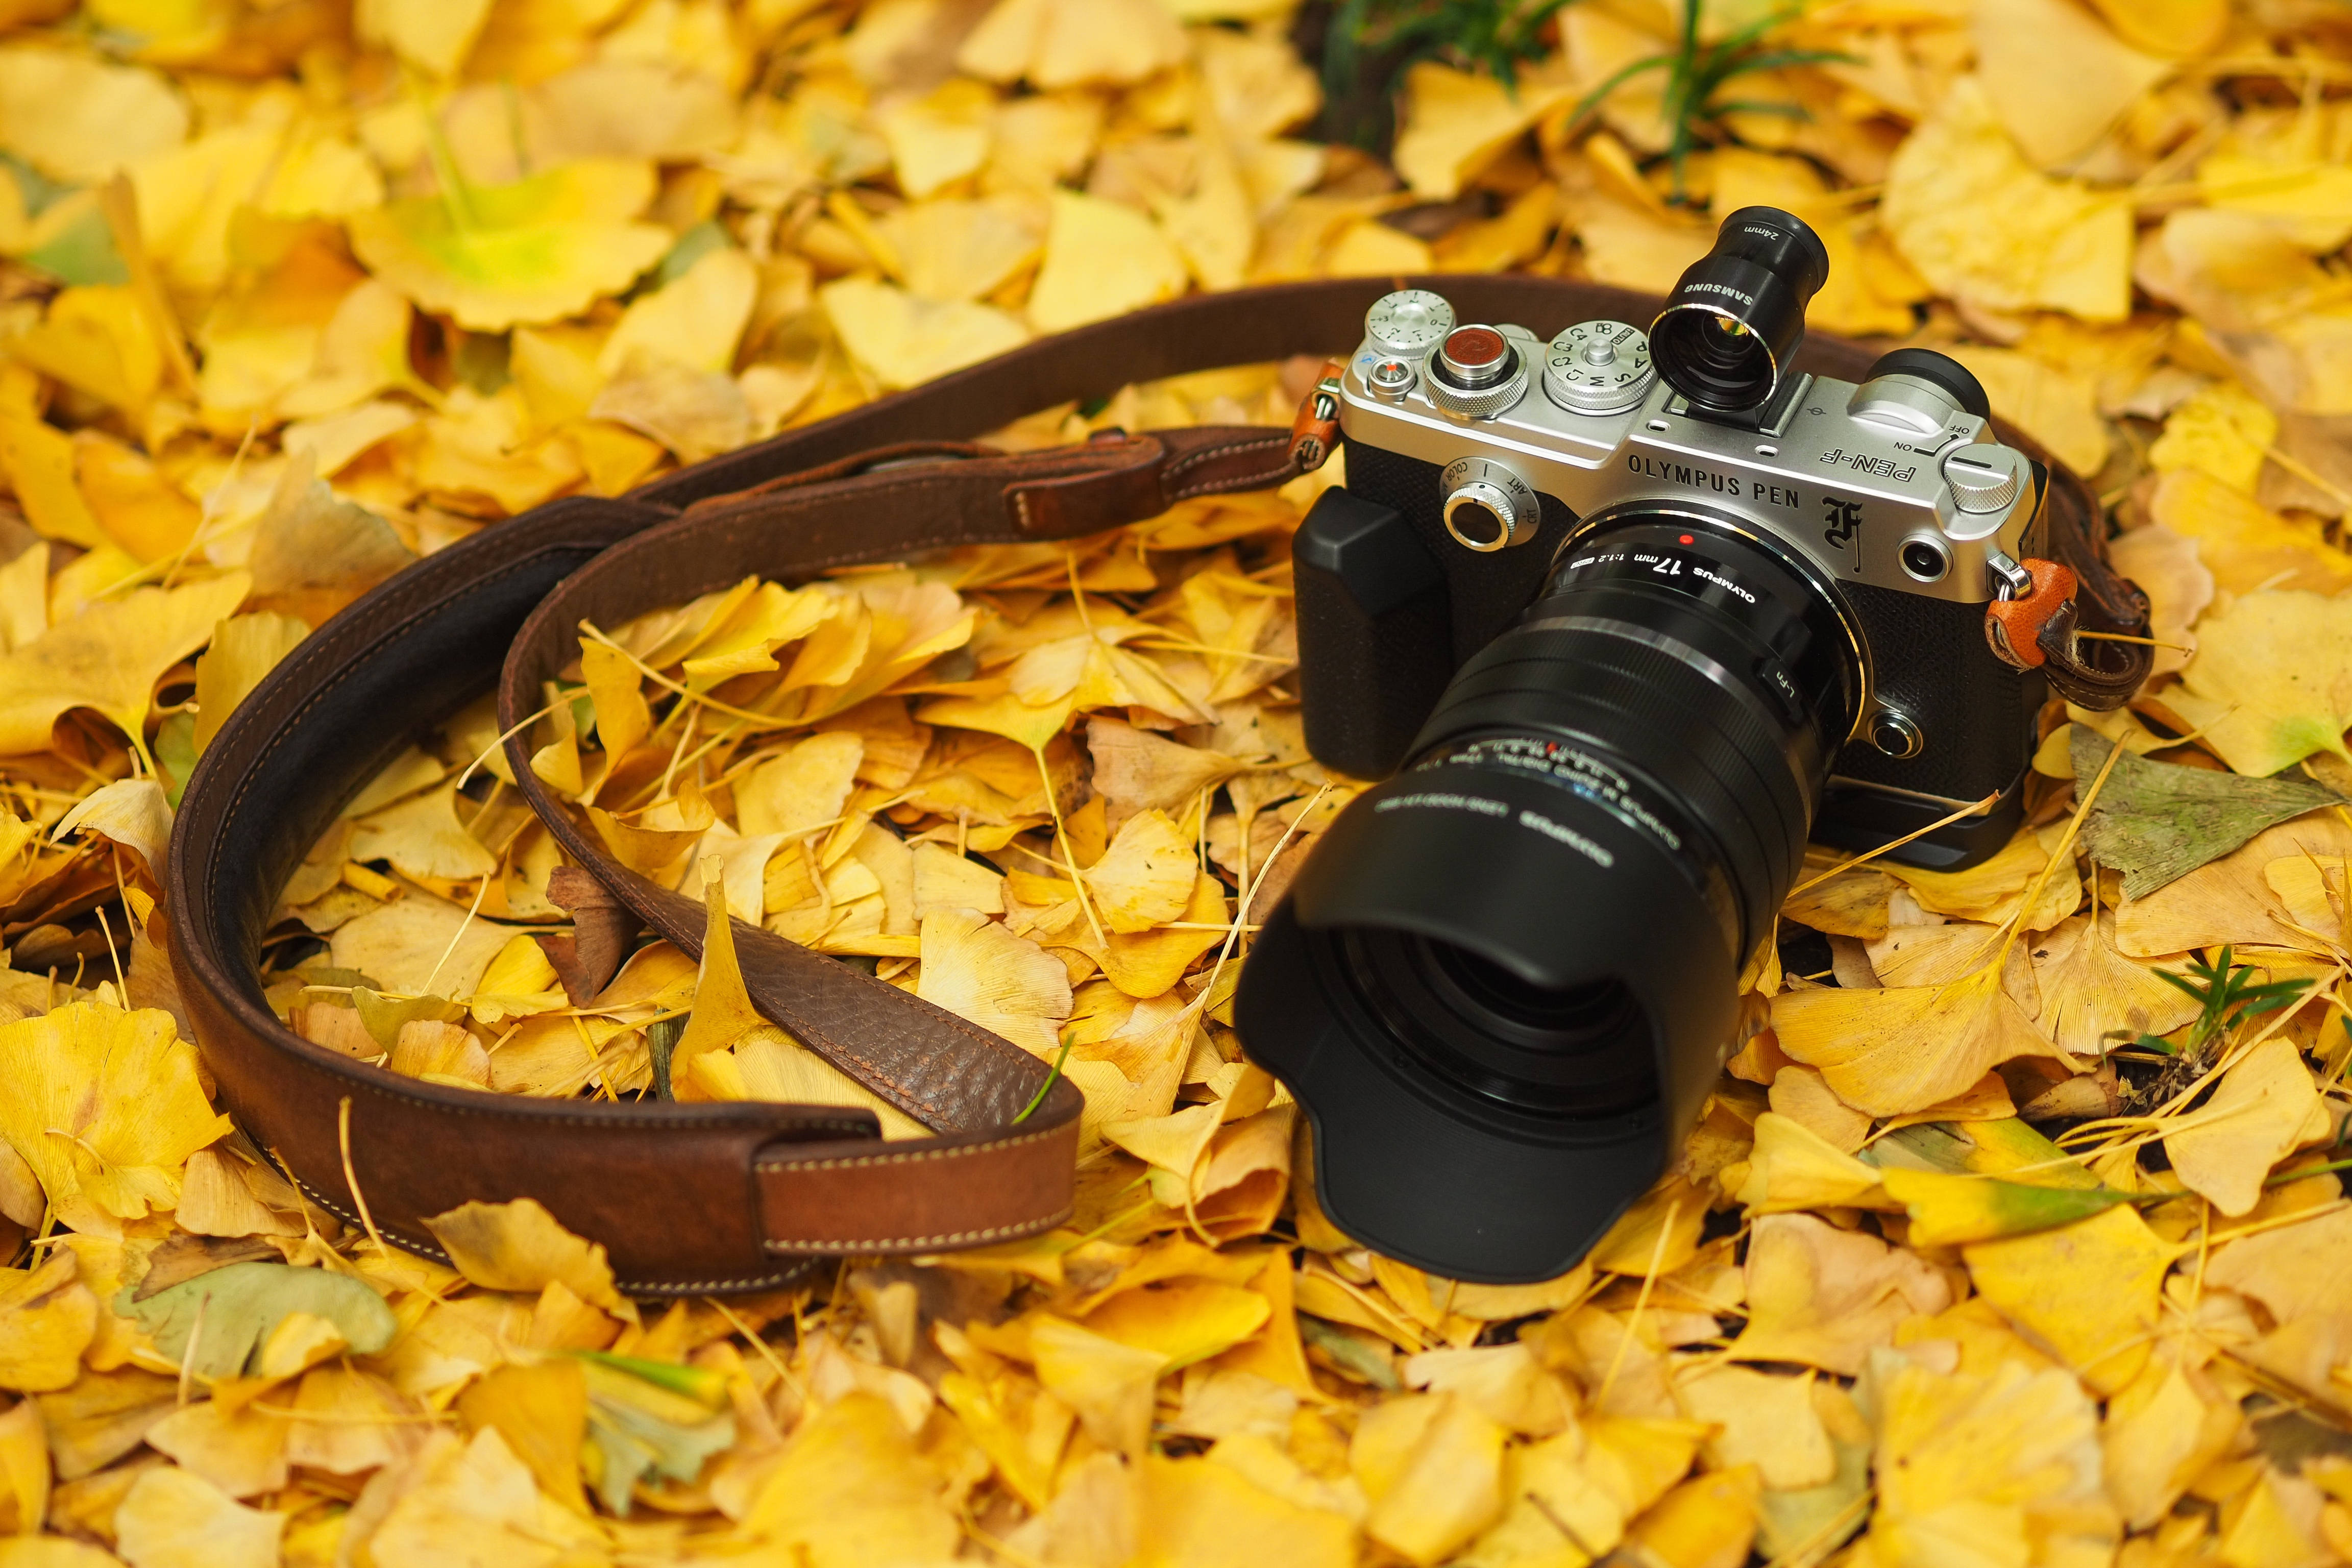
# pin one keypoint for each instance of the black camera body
(1950, 724)
(1622, 620)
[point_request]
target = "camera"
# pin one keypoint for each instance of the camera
(1620, 619)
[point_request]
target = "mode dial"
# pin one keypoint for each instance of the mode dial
(1598, 367)
(1408, 322)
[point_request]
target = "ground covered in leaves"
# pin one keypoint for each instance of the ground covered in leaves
(2015, 1233)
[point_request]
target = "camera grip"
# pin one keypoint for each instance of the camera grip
(1374, 629)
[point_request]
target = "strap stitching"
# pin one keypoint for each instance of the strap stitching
(683, 1288)
(945, 1239)
(779, 1166)
(1229, 449)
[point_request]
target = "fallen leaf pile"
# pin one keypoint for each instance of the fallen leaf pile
(2014, 1235)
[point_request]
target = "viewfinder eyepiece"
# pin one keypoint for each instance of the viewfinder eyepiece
(1735, 319)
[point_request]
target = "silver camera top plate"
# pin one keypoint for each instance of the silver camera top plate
(1854, 475)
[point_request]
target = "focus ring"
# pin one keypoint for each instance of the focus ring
(1664, 720)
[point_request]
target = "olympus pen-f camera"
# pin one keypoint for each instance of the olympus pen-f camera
(1620, 618)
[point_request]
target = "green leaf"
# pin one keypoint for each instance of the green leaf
(1810, 1522)
(1947, 1210)
(2157, 822)
(661, 1044)
(1352, 1354)
(700, 1383)
(175, 753)
(651, 1415)
(243, 1304)
(383, 1016)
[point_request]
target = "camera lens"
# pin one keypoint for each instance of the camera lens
(1517, 956)
(1527, 1044)
(1735, 317)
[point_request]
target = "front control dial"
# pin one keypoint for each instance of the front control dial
(1487, 507)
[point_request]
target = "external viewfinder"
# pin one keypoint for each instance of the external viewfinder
(1736, 318)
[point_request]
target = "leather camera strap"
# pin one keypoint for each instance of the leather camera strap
(740, 1196)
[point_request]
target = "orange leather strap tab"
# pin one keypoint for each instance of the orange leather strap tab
(2015, 627)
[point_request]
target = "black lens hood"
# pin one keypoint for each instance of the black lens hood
(1406, 1159)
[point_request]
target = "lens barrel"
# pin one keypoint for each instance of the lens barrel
(1505, 980)
(1734, 321)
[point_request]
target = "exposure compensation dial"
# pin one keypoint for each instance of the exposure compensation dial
(1409, 323)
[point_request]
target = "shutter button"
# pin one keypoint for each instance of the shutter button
(1476, 373)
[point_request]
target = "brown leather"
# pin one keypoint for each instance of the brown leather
(2096, 673)
(694, 1198)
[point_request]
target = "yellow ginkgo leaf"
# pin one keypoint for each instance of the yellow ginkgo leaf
(1145, 878)
(2056, 75)
(1968, 1465)
(1102, 259)
(2310, 199)
(2159, 1433)
(2179, 29)
(1206, 1512)
(1821, 1297)
(977, 970)
(105, 1107)
(38, 460)
(2244, 546)
(1794, 1168)
(1905, 1047)
(471, 1500)
(173, 1516)
(623, 718)
(107, 658)
(2223, 430)
(902, 339)
(1949, 1208)
(1071, 43)
(48, 1319)
(1108, 1383)
(431, 34)
(2091, 993)
(2272, 681)
(76, 118)
(802, 790)
(1184, 1322)
(493, 256)
(2265, 1108)
(1456, 121)
(694, 321)
(2059, 245)
(940, 137)
(723, 1012)
(852, 1488)
(244, 649)
(518, 1246)
(97, 339)
(1767, 1420)
(1432, 1465)
(963, 249)
(2090, 1292)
